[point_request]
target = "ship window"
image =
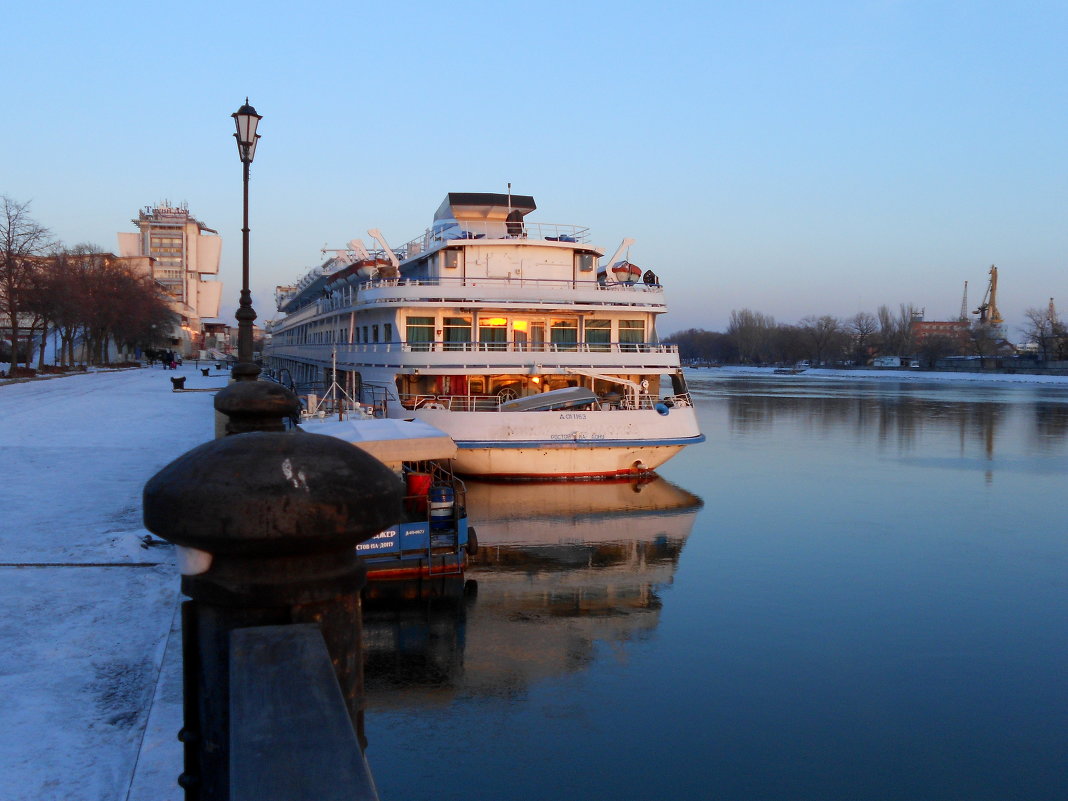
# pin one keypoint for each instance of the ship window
(563, 334)
(585, 262)
(599, 334)
(374, 332)
(420, 332)
(387, 331)
(457, 333)
(631, 333)
(493, 333)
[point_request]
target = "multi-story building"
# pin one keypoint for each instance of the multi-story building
(184, 260)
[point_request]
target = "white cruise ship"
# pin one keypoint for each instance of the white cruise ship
(512, 336)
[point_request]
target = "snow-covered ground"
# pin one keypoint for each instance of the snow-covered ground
(90, 614)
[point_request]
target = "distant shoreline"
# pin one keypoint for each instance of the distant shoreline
(883, 374)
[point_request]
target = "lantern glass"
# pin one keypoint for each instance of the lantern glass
(246, 119)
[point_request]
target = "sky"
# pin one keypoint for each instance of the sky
(790, 158)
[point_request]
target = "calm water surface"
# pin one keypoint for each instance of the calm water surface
(853, 590)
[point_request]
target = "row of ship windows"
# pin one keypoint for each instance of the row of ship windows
(422, 331)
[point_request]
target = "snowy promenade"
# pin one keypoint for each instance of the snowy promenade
(89, 615)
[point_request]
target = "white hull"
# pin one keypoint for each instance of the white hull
(564, 444)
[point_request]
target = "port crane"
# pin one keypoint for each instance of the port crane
(988, 309)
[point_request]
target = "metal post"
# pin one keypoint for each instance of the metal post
(245, 369)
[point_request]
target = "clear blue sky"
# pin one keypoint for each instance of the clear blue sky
(792, 158)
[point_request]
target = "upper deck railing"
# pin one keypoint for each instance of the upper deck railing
(494, 230)
(471, 288)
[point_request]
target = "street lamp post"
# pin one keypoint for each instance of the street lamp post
(246, 120)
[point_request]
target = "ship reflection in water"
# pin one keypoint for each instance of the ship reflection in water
(560, 568)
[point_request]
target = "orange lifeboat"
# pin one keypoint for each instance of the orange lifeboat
(625, 272)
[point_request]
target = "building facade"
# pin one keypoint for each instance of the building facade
(184, 259)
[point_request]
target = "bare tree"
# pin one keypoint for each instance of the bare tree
(984, 339)
(936, 346)
(895, 332)
(148, 317)
(862, 327)
(788, 345)
(23, 243)
(1045, 329)
(823, 335)
(752, 333)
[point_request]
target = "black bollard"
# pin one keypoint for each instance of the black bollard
(267, 524)
(178, 383)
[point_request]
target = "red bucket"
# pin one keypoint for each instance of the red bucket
(416, 489)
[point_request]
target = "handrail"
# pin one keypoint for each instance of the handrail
(345, 295)
(492, 403)
(292, 736)
(492, 230)
(439, 346)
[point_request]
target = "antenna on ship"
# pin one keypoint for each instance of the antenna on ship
(509, 197)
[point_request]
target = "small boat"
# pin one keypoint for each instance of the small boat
(433, 539)
(626, 273)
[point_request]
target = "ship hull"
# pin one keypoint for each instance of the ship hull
(539, 445)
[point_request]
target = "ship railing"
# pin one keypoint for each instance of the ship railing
(538, 347)
(492, 229)
(344, 296)
(282, 348)
(568, 284)
(492, 403)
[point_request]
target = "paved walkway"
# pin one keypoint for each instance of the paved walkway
(89, 639)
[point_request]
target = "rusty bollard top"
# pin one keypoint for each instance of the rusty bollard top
(256, 406)
(280, 514)
(272, 494)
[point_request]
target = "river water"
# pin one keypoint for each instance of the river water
(855, 589)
